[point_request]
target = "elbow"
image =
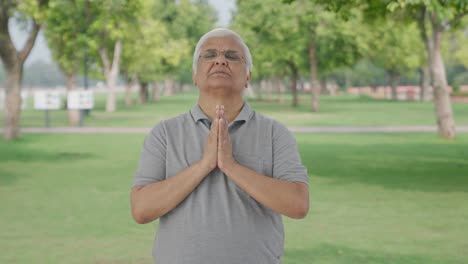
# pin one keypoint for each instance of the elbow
(300, 212)
(300, 209)
(140, 217)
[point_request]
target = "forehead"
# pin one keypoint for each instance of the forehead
(222, 43)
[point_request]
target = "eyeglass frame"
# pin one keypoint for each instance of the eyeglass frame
(219, 52)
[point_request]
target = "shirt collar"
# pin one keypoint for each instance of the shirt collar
(244, 115)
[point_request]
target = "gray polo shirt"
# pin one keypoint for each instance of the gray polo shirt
(219, 222)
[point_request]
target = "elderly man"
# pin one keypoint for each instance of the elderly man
(220, 176)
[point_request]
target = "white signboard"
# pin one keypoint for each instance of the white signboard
(46, 100)
(24, 99)
(82, 99)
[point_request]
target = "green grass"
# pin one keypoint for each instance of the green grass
(375, 198)
(335, 111)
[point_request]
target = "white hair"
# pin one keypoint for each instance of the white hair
(220, 33)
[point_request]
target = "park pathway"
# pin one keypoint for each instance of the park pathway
(143, 130)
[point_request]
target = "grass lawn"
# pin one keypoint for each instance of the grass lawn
(335, 111)
(375, 198)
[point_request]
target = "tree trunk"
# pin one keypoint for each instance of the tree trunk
(156, 92)
(314, 83)
(12, 110)
(394, 80)
(293, 83)
(426, 71)
(443, 105)
(269, 86)
(424, 82)
(323, 86)
(73, 114)
(130, 82)
(263, 88)
(282, 90)
(128, 94)
(144, 93)
(168, 87)
(347, 79)
(111, 72)
(13, 61)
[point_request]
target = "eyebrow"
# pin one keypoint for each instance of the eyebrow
(216, 50)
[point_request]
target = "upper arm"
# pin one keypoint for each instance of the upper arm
(287, 163)
(152, 164)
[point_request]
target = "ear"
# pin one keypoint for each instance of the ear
(249, 77)
(194, 79)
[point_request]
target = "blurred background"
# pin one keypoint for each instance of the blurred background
(376, 92)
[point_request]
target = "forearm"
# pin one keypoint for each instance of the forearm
(155, 200)
(284, 197)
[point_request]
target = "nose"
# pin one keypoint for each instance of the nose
(221, 60)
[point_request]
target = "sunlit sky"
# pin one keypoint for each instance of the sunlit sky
(41, 51)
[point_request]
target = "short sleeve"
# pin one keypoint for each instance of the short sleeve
(152, 165)
(287, 163)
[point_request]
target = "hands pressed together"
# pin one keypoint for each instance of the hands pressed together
(218, 149)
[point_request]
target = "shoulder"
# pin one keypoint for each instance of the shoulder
(167, 126)
(269, 124)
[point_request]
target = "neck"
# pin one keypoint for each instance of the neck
(232, 106)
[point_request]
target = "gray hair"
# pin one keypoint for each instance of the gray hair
(219, 33)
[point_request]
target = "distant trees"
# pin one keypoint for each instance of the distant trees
(33, 14)
(146, 41)
(396, 48)
(150, 42)
(433, 17)
(302, 37)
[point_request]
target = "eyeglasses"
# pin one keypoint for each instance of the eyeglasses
(229, 55)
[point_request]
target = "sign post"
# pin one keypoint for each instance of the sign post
(47, 100)
(80, 100)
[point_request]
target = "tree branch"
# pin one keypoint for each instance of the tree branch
(23, 54)
(446, 25)
(8, 51)
(117, 52)
(105, 61)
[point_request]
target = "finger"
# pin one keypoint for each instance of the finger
(214, 127)
(221, 137)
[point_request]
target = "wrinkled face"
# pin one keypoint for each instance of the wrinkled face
(221, 67)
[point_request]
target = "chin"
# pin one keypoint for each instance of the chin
(220, 84)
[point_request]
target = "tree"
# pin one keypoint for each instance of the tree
(110, 21)
(186, 22)
(434, 18)
(273, 32)
(333, 42)
(396, 48)
(32, 12)
(65, 33)
(302, 36)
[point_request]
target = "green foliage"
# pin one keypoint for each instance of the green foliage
(396, 47)
(271, 30)
(66, 33)
(160, 45)
(281, 33)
